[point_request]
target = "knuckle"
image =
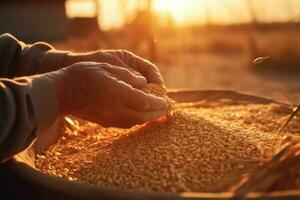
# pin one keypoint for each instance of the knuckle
(126, 52)
(123, 54)
(152, 68)
(128, 75)
(125, 71)
(106, 66)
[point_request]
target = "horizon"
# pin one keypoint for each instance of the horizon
(187, 12)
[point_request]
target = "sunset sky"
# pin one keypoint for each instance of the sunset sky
(113, 13)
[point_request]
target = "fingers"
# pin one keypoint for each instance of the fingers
(134, 71)
(106, 94)
(150, 71)
(146, 68)
(129, 60)
(134, 79)
(108, 56)
(136, 107)
(140, 101)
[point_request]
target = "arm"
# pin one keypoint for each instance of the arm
(20, 59)
(98, 92)
(27, 106)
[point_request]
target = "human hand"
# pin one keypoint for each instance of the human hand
(106, 94)
(120, 58)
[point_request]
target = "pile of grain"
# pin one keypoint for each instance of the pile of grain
(192, 149)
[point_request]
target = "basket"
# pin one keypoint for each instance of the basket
(36, 185)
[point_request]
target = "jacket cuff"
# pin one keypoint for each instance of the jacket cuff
(53, 58)
(45, 101)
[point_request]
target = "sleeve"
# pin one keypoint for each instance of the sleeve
(27, 106)
(18, 59)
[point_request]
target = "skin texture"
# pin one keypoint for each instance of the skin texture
(121, 58)
(104, 87)
(106, 94)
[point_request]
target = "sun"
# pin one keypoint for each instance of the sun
(176, 9)
(180, 10)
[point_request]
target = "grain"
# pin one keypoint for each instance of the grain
(190, 150)
(156, 89)
(159, 90)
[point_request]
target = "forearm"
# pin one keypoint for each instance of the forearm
(27, 106)
(20, 59)
(73, 58)
(102, 56)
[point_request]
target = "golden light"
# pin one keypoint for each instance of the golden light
(111, 12)
(180, 10)
(75, 8)
(176, 9)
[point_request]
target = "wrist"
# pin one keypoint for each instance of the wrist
(45, 100)
(70, 91)
(72, 58)
(61, 84)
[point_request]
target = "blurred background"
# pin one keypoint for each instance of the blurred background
(251, 46)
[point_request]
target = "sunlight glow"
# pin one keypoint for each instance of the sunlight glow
(114, 13)
(180, 10)
(80, 8)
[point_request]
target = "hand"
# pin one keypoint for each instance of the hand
(106, 94)
(120, 58)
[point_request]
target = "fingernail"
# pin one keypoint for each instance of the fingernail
(142, 81)
(142, 78)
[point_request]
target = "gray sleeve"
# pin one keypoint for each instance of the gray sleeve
(28, 105)
(20, 59)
